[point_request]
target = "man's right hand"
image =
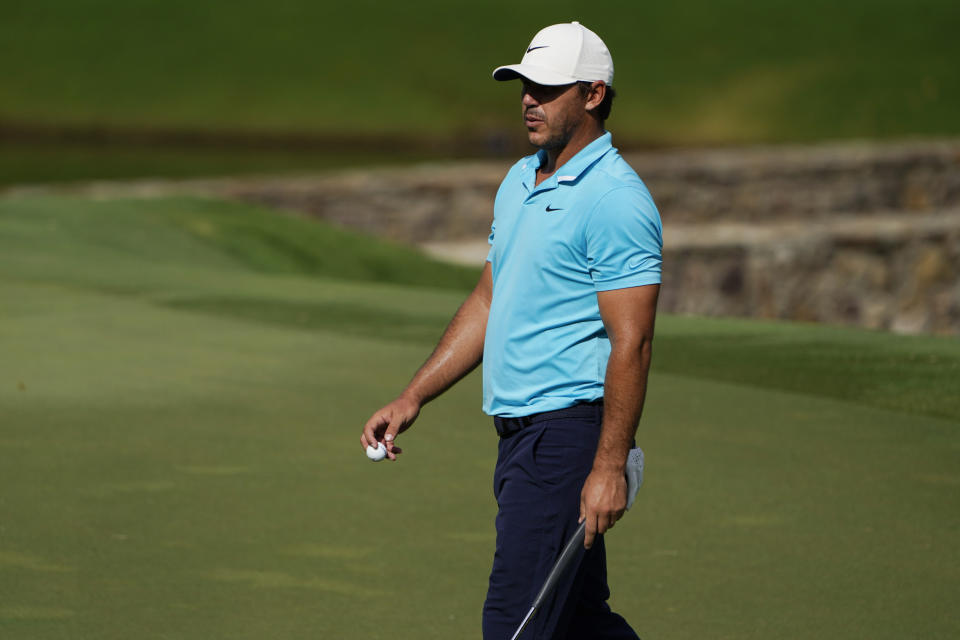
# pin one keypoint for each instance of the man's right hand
(388, 422)
(459, 351)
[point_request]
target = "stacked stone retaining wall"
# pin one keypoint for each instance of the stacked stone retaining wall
(864, 234)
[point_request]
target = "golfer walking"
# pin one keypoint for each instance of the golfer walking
(562, 320)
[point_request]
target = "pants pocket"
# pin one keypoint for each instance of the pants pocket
(564, 449)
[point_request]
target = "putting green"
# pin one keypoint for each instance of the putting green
(179, 430)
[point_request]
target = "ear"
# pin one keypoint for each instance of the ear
(598, 91)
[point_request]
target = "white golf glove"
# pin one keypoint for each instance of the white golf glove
(634, 474)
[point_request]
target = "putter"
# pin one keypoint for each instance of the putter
(634, 473)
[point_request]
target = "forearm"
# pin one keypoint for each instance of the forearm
(459, 350)
(625, 388)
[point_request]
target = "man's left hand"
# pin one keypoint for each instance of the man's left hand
(602, 502)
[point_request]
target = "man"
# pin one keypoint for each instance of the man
(562, 319)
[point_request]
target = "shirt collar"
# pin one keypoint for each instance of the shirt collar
(572, 168)
(575, 166)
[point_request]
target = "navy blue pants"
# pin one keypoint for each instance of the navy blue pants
(540, 472)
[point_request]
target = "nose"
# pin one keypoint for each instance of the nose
(527, 97)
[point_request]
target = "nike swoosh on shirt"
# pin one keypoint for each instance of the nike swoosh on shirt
(543, 46)
(549, 210)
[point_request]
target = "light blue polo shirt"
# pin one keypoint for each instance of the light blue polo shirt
(592, 226)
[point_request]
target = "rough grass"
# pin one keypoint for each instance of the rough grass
(95, 80)
(24, 162)
(179, 436)
(696, 71)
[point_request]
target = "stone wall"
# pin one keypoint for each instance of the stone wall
(886, 271)
(766, 184)
(427, 203)
(444, 202)
(865, 234)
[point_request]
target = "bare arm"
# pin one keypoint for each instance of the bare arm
(628, 316)
(459, 351)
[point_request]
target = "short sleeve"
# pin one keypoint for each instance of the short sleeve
(493, 226)
(624, 240)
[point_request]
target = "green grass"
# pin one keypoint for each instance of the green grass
(695, 71)
(180, 403)
(98, 243)
(22, 163)
(911, 374)
(384, 83)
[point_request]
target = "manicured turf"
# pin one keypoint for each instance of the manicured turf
(181, 402)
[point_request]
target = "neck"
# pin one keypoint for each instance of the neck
(559, 156)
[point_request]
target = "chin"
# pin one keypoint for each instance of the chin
(536, 139)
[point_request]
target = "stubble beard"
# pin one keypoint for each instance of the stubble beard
(556, 138)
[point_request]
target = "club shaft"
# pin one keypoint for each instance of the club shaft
(523, 625)
(574, 544)
(559, 568)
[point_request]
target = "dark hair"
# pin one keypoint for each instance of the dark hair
(603, 109)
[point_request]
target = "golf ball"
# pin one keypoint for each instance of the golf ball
(376, 453)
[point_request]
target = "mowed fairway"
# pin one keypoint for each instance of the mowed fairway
(182, 385)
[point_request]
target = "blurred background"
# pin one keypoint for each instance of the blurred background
(229, 231)
(95, 89)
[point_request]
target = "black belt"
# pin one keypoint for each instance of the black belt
(506, 427)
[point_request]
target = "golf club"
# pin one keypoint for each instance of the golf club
(634, 472)
(559, 568)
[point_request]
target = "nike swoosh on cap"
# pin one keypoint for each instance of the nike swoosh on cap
(543, 46)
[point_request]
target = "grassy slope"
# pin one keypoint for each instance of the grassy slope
(169, 473)
(691, 71)
(98, 243)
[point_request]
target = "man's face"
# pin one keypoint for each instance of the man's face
(552, 113)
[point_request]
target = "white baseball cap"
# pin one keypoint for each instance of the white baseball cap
(562, 54)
